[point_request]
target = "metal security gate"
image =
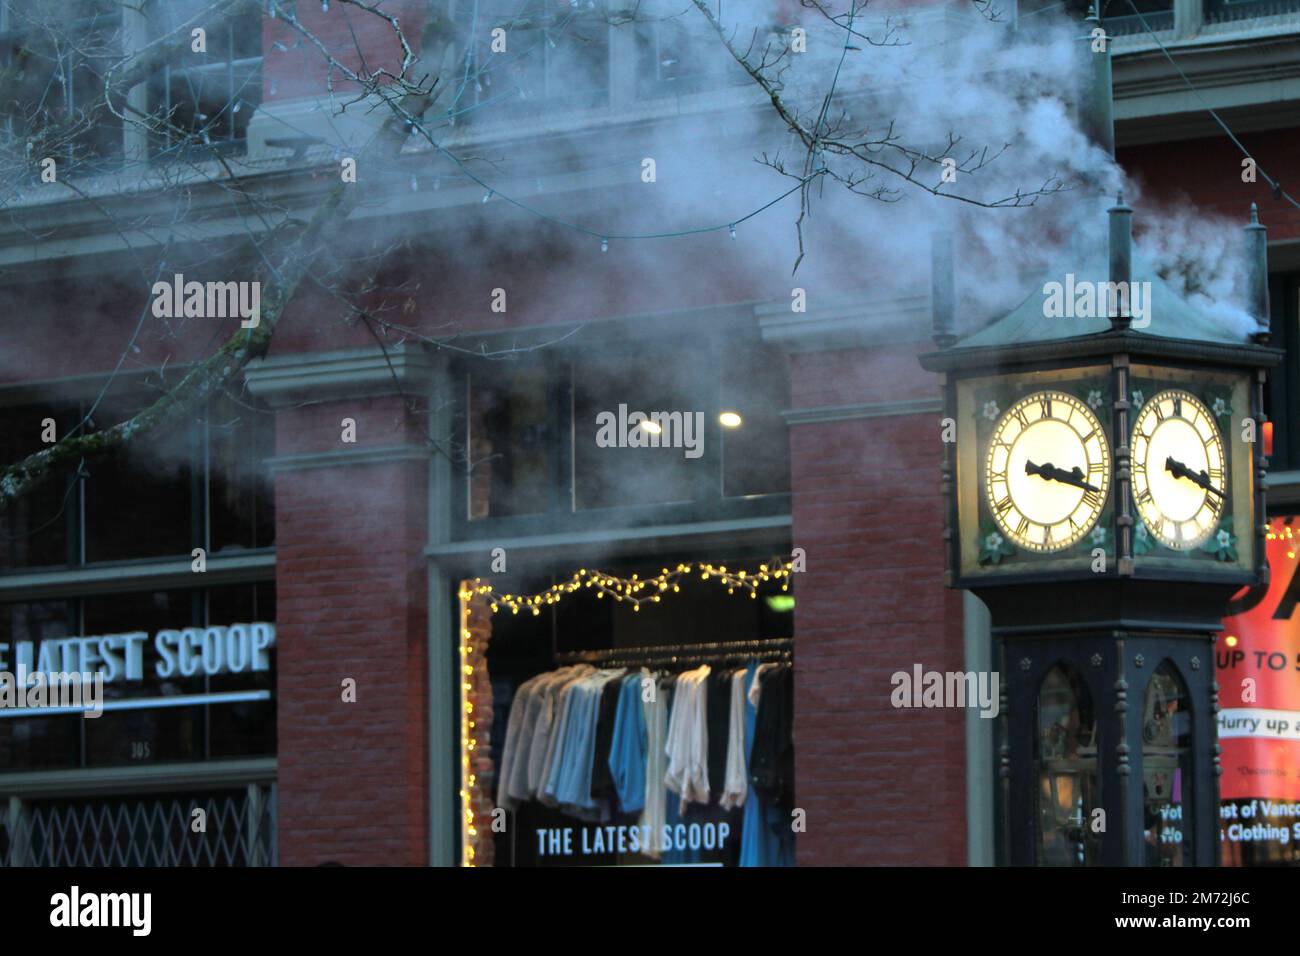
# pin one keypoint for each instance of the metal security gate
(142, 830)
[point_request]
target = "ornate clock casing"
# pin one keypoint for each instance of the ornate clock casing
(1056, 472)
(1105, 499)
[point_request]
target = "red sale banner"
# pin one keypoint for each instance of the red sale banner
(1258, 659)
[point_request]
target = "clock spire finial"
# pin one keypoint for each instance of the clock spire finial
(1257, 275)
(1121, 261)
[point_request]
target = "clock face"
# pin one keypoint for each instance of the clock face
(1179, 477)
(1047, 471)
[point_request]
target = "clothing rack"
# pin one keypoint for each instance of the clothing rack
(661, 654)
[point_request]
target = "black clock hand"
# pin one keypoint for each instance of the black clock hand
(1049, 472)
(1179, 470)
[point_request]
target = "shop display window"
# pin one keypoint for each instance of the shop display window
(623, 737)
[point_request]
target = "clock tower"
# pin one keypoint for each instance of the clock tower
(1105, 499)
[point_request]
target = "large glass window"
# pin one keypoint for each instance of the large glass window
(194, 482)
(679, 53)
(511, 460)
(212, 728)
(1119, 18)
(35, 529)
(554, 58)
(673, 435)
(205, 99)
(619, 460)
(138, 500)
(53, 55)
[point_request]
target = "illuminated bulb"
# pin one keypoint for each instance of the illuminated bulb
(654, 428)
(487, 195)
(732, 229)
(324, 6)
(1231, 640)
(415, 184)
(604, 245)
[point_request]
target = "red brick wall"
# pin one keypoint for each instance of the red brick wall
(880, 785)
(1208, 173)
(351, 602)
(348, 33)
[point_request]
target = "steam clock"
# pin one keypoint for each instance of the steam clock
(1105, 498)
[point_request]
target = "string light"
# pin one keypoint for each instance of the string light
(468, 742)
(732, 230)
(634, 590)
(487, 195)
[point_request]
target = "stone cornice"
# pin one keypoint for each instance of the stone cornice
(857, 323)
(306, 377)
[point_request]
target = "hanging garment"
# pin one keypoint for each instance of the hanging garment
(519, 776)
(515, 744)
(562, 708)
(766, 836)
(576, 758)
(718, 710)
(736, 782)
(656, 793)
(544, 716)
(603, 791)
(627, 752)
(687, 745)
(771, 764)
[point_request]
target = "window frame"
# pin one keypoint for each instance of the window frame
(619, 340)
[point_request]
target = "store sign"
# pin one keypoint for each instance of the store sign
(1258, 658)
(126, 658)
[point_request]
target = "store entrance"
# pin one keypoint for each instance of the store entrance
(642, 716)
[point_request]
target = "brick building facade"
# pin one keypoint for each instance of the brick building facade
(371, 537)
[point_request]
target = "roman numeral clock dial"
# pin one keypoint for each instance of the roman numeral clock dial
(1179, 476)
(1047, 471)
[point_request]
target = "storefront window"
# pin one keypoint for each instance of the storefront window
(34, 528)
(755, 442)
(610, 470)
(1166, 765)
(138, 499)
(195, 482)
(1066, 768)
(153, 710)
(511, 442)
(36, 743)
(241, 496)
(596, 709)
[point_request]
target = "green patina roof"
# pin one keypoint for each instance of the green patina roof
(1171, 316)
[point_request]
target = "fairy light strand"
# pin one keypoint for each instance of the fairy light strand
(634, 590)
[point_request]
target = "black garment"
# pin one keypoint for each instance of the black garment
(717, 717)
(602, 780)
(771, 761)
